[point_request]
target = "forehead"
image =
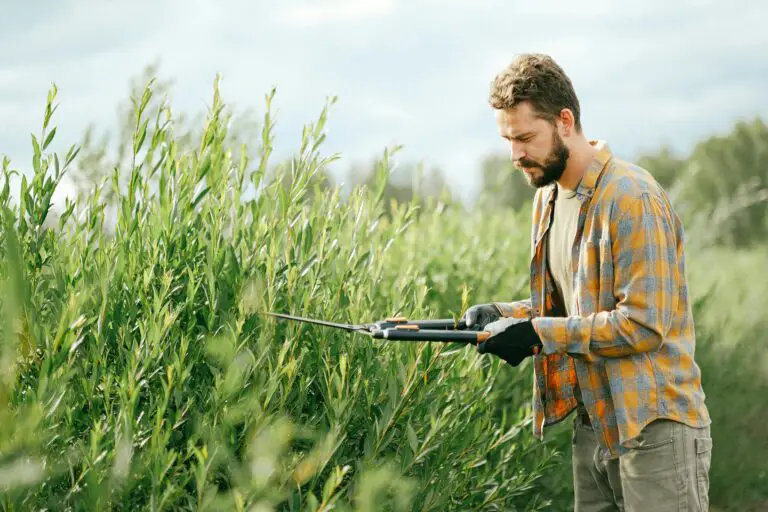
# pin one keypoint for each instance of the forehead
(518, 120)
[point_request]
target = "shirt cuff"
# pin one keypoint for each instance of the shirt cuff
(558, 334)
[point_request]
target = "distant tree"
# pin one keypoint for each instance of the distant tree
(721, 188)
(664, 165)
(406, 183)
(723, 185)
(502, 185)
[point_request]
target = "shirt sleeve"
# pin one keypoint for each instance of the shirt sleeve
(517, 309)
(646, 281)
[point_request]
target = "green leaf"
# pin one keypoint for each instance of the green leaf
(36, 154)
(394, 392)
(71, 154)
(146, 96)
(138, 140)
(200, 196)
(49, 138)
(413, 441)
(312, 503)
(334, 481)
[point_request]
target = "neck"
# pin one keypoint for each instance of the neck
(581, 154)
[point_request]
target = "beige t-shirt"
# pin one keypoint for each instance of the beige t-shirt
(561, 236)
(562, 232)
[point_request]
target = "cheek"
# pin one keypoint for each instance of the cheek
(536, 154)
(540, 151)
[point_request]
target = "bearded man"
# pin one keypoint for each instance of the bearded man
(608, 323)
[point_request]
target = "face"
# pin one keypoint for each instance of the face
(536, 146)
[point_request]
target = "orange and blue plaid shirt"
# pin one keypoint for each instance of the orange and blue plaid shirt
(629, 342)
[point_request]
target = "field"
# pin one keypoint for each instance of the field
(138, 371)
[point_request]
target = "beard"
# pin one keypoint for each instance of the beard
(553, 166)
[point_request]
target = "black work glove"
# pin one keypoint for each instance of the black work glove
(480, 315)
(512, 339)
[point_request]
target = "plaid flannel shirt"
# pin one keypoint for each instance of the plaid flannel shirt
(629, 343)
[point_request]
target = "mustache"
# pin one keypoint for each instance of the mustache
(527, 163)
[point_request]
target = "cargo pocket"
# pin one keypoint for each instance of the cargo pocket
(703, 462)
(653, 461)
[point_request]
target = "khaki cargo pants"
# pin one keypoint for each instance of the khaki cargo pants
(667, 471)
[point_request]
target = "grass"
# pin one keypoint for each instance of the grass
(137, 370)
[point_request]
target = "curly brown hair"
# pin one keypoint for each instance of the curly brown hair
(537, 78)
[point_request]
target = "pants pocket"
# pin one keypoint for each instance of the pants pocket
(651, 472)
(703, 462)
(652, 460)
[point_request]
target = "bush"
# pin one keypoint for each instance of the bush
(140, 372)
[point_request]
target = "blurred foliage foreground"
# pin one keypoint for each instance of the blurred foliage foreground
(137, 371)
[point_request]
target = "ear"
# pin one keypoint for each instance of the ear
(566, 122)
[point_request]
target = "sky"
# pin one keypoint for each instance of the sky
(414, 73)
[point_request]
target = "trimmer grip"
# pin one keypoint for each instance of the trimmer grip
(446, 324)
(444, 336)
(443, 324)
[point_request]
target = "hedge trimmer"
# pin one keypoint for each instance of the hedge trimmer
(401, 329)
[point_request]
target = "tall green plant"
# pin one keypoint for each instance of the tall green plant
(146, 376)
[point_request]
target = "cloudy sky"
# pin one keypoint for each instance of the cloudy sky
(412, 72)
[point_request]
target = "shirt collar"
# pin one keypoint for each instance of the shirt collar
(586, 186)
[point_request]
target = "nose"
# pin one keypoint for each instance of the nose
(517, 151)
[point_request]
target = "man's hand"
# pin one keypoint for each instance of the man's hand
(512, 339)
(480, 315)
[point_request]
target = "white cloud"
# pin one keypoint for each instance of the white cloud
(383, 110)
(415, 73)
(334, 12)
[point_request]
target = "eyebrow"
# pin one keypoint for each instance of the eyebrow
(519, 137)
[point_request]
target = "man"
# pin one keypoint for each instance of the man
(608, 323)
